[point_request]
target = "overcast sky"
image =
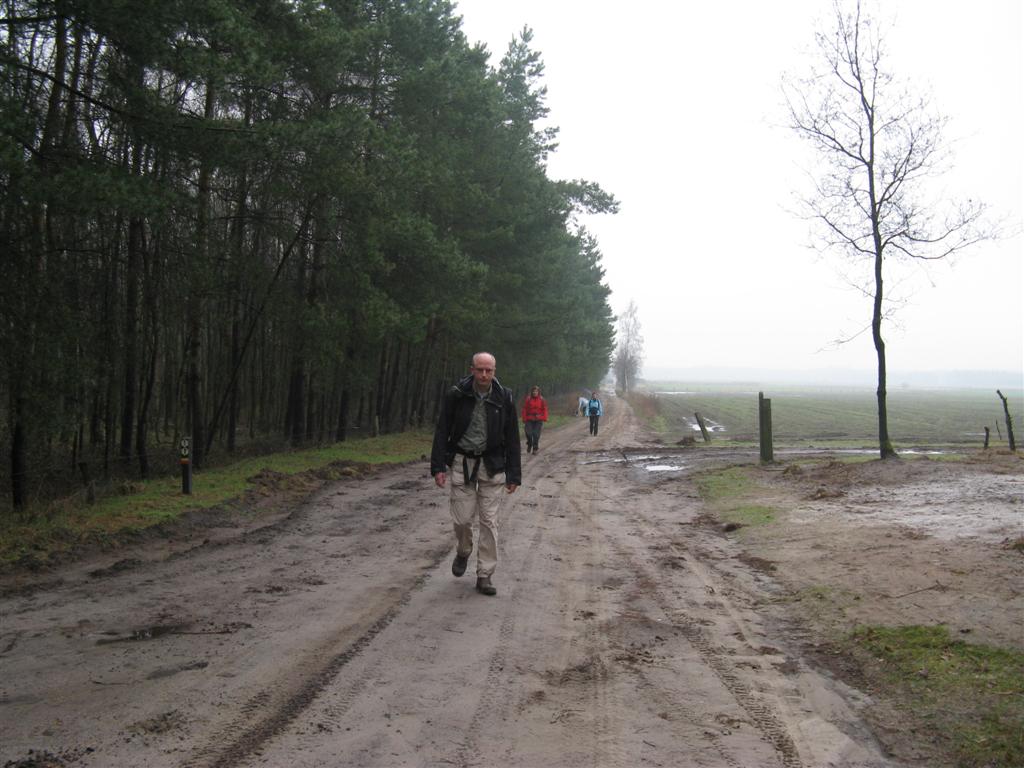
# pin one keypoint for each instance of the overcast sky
(676, 109)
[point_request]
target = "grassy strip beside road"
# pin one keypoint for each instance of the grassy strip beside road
(968, 698)
(46, 533)
(730, 494)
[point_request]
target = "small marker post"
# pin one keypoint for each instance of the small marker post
(185, 450)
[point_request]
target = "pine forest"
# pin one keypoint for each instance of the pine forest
(268, 223)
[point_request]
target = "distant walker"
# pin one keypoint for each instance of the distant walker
(594, 411)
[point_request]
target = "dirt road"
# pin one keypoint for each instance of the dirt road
(625, 632)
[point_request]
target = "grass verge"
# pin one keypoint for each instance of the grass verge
(730, 494)
(962, 704)
(44, 534)
(969, 696)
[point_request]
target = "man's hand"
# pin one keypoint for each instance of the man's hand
(511, 487)
(439, 479)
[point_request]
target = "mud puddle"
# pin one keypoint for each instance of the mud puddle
(649, 462)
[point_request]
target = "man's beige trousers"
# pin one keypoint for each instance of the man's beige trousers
(478, 499)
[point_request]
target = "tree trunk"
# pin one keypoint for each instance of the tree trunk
(885, 448)
(109, 365)
(296, 407)
(405, 401)
(238, 248)
(378, 394)
(109, 419)
(151, 331)
(235, 363)
(341, 434)
(389, 409)
(311, 414)
(130, 342)
(196, 414)
(321, 418)
(19, 455)
(140, 435)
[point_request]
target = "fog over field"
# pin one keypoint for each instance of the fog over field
(677, 110)
(1007, 381)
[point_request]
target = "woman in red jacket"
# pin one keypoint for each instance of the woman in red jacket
(535, 413)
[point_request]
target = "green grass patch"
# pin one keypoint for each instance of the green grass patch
(969, 696)
(42, 533)
(749, 514)
(658, 424)
(724, 485)
(728, 493)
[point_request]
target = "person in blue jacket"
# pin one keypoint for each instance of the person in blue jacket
(594, 411)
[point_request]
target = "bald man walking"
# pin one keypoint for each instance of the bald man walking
(476, 445)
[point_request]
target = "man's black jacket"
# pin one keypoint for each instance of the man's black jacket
(502, 452)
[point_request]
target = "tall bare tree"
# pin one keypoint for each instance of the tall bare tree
(629, 349)
(878, 142)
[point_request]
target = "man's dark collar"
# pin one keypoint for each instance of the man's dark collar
(466, 386)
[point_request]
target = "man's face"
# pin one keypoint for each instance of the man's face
(483, 371)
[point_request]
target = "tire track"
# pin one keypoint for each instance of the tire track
(493, 703)
(242, 737)
(596, 644)
(584, 671)
(762, 715)
(677, 708)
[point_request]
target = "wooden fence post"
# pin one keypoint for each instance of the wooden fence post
(1009, 421)
(703, 429)
(764, 423)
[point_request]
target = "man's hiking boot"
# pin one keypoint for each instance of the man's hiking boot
(484, 586)
(459, 564)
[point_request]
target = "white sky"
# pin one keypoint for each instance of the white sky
(676, 109)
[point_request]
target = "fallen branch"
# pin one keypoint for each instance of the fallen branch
(936, 585)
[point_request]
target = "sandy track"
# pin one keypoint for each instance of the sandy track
(624, 632)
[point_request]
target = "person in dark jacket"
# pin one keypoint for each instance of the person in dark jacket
(476, 443)
(535, 413)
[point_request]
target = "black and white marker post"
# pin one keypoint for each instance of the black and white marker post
(185, 447)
